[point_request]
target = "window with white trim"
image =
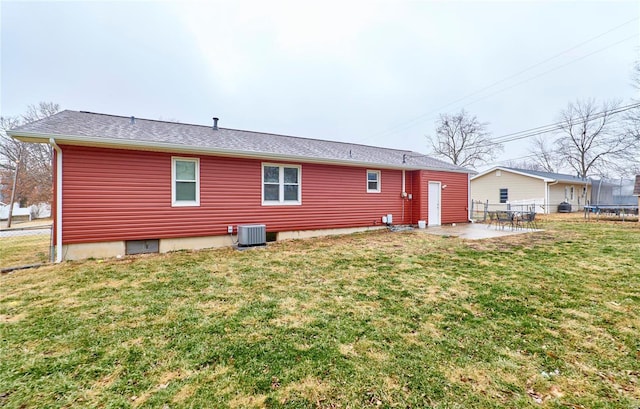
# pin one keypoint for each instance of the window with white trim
(281, 184)
(185, 181)
(373, 181)
(504, 195)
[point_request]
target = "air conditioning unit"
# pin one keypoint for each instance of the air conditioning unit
(252, 234)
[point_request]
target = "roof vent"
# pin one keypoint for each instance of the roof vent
(133, 119)
(215, 123)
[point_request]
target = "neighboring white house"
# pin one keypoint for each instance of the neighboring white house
(17, 211)
(41, 210)
(520, 186)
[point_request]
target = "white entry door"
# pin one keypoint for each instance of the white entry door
(434, 203)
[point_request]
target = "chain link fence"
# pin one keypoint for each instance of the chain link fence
(25, 246)
(480, 210)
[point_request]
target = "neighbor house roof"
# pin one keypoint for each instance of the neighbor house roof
(546, 176)
(94, 129)
(636, 187)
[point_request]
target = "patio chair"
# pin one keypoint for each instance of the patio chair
(503, 218)
(529, 219)
(492, 219)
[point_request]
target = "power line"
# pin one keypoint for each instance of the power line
(551, 70)
(557, 125)
(544, 129)
(412, 122)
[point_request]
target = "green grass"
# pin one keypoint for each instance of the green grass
(382, 320)
(24, 250)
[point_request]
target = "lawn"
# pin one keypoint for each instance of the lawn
(18, 251)
(382, 320)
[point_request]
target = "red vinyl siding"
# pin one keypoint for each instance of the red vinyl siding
(454, 198)
(112, 194)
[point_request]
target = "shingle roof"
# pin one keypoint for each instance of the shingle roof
(111, 130)
(548, 175)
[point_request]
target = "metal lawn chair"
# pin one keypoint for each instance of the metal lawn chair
(503, 218)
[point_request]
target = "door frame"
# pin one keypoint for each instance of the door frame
(431, 203)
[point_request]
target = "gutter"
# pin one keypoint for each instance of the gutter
(196, 150)
(55, 146)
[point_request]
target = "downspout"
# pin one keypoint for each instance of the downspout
(469, 199)
(403, 195)
(55, 146)
(548, 205)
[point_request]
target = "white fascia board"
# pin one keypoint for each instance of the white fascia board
(178, 148)
(486, 172)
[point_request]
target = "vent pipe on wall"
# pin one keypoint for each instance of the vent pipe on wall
(215, 123)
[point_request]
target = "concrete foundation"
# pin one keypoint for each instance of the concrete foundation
(93, 250)
(307, 234)
(117, 248)
(195, 243)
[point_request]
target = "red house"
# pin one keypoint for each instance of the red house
(123, 185)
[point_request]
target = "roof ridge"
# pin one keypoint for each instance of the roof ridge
(541, 171)
(117, 130)
(243, 130)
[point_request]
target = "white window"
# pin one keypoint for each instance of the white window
(185, 181)
(504, 195)
(281, 184)
(373, 181)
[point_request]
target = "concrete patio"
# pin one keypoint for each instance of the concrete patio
(474, 231)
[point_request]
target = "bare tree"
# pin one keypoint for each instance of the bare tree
(632, 117)
(463, 140)
(523, 164)
(544, 156)
(590, 140)
(32, 162)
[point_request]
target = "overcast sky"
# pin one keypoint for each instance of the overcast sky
(376, 72)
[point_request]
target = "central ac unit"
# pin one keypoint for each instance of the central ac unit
(252, 235)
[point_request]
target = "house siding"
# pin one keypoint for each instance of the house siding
(454, 199)
(557, 196)
(115, 194)
(521, 188)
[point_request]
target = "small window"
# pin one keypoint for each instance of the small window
(572, 192)
(185, 182)
(373, 181)
(498, 172)
(280, 184)
(504, 195)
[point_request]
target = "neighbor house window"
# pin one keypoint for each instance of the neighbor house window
(504, 195)
(572, 193)
(280, 184)
(373, 181)
(185, 182)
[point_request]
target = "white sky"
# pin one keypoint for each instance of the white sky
(375, 72)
